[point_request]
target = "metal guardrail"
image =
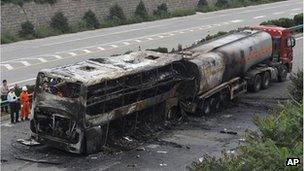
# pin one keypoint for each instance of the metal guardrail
(295, 28)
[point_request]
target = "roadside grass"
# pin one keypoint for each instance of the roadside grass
(279, 137)
(59, 24)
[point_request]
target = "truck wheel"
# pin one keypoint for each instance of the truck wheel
(282, 76)
(265, 80)
(206, 107)
(257, 83)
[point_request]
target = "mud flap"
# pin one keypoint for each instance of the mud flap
(93, 140)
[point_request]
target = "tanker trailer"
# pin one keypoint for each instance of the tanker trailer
(224, 68)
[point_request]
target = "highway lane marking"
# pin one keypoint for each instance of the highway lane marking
(236, 21)
(86, 51)
(126, 43)
(296, 9)
(171, 34)
(138, 41)
(114, 46)
(160, 37)
(42, 59)
(57, 56)
(7, 66)
(277, 13)
(25, 63)
(109, 34)
(149, 38)
(181, 32)
(258, 17)
(101, 48)
(72, 54)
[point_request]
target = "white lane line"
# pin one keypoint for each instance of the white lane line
(22, 81)
(72, 54)
(57, 56)
(25, 63)
(225, 23)
(42, 60)
(181, 32)
(296, 9)
(126, 43)
(7, 66)
(171, 34)
(236, 21)
(138, 41)
(160, 37)
(86, 51)
(114, 46)
(101, 48)
(277, 13)
(258, 17)
(149, 38)
(191, 30)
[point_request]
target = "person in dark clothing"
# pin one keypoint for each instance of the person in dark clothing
(4, 92)
(14, 106)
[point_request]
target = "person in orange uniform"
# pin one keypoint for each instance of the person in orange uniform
(24, 103)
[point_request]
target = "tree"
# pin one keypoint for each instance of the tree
(60, 22)
(298, 19)
(91, 20)
(141, 10)
(116, 12)
(222, 3)
(162, 10)
(27, 28)
(202, 3)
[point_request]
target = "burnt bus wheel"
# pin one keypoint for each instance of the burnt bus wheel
(206, 107)
(265, 80)
(282, 76)
(257, 83)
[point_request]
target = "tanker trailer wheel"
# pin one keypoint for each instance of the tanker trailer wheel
(265, 80)
(282, 76)
(257, 83)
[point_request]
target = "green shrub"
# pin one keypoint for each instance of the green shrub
(8, 37)
(298, 19)
(296, 88)
(182, 12)
(27, 29)
(141, 10)
(162, 10)
(282, 22)
(117, 14)
(46, 1)
(91, 20)
(160, 49)
(60, 22)
(42, 32)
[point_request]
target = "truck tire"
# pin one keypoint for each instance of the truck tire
(282, 76)
(257, 83)
(265, 80)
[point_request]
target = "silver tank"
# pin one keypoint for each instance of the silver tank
(229, 57)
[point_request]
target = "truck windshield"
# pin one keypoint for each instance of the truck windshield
(57, 86)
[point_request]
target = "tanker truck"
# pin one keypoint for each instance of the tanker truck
(224, 68)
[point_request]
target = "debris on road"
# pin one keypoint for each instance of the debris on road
(28, 142)
(141, 149)
(163, 164)
(162, 152)
(128, 139)
(38, 160)
(228, 132)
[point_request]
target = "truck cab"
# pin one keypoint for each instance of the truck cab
(283, 42)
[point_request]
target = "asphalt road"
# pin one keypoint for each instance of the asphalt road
(21, 61)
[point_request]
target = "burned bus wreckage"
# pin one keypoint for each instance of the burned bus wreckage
(74, 105)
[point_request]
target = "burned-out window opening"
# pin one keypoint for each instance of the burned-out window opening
(58, 86)
(87, 68)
